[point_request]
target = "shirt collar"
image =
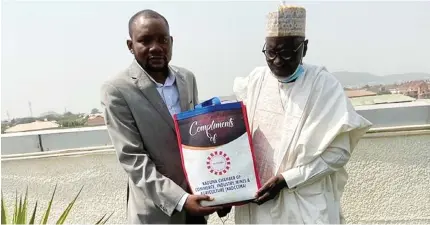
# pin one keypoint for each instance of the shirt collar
(170, 80)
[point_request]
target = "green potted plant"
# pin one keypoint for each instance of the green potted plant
(20, 211)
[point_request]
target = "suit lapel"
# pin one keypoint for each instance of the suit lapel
(182, 89)
(149, 89)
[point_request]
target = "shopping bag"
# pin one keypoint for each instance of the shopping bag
(217, 153)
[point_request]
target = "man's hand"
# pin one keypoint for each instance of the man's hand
(193, 207)
(224, 211)
(270, 189)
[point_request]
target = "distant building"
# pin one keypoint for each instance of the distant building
(393, 89)
(96, 120)
(36, 125)
(416, 89)
(359, 93)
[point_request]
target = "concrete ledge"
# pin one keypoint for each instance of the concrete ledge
(59, 153)
(400, 128)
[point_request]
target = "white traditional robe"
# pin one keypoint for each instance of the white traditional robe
(305, 131)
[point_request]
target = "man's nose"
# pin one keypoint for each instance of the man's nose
(278, 61)
(155, 47)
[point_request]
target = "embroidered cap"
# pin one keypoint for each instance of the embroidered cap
(287, 21)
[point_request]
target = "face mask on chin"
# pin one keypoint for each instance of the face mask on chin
(297, 73)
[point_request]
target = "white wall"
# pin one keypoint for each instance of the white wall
(20, 144)
(59, 141)
(50, 140)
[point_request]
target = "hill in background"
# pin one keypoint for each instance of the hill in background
(360, 79)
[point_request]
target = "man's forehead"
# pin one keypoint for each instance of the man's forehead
(283, 41)
(147, 26)
(142, 22)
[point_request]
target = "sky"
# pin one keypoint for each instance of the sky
(56, 55)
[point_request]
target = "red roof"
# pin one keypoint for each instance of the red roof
(359, 93)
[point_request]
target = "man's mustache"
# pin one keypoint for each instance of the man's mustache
(157, 57)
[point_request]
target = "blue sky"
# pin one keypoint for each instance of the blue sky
(57, 54)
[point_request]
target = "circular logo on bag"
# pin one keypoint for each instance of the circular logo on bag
(218, 163)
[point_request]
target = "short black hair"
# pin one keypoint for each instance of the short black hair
(147, 13)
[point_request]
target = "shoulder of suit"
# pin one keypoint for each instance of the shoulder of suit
(118, 80)
(181, 71)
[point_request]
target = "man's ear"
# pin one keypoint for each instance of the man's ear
(305, 47)
(171, 40)
(130, 45)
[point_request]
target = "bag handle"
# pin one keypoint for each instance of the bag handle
(210, 102)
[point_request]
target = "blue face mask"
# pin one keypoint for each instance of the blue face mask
(299, 71)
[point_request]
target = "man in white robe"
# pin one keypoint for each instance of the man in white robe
(304, 130)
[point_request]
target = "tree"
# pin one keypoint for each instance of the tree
(25, 120)
(68, 114)
(384, 92)
(95, 111)
(4, 127)
(72, 123)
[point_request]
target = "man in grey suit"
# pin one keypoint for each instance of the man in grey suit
(138, 105)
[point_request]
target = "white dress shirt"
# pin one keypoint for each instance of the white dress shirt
(169, 93)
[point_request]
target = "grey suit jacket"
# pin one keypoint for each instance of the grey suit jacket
(143, 134)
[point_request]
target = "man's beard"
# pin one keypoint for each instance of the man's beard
(157, 69)
(149, 68)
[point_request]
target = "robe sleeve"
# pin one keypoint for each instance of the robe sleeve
(242, 85)
(329, 135)
(331, 160)
(240, 88)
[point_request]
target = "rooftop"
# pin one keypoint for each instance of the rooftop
(36, 125)
(381, 99)
(359, 93)
(419, 102)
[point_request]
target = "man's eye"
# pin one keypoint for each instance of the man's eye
(271, 53)
(146, 40)
(164, 40)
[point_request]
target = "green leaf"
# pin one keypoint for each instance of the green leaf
(66, 212)
(22, 212)
(104, 222)
(15, 213)
(33, 217)
(101, 219)
(48, 210)
(3, 210)
(18, 218)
